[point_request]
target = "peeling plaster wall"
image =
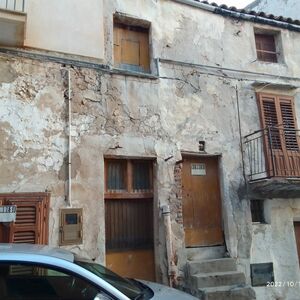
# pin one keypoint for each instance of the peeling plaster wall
(275, 242)
(130, 116)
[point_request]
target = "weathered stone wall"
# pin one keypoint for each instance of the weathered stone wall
(115, 114)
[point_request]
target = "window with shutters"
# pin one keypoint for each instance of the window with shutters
(128, 204)
(282, 135)
(266, 47)
(31, 225)
(131, 46)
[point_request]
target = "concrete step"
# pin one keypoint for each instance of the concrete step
(212, 266)
(203, 253)
(205, 280)
(228, 293)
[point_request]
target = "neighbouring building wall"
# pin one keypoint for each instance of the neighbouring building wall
(275, 242)
(70, 27)
(286, 8)
(117, 114)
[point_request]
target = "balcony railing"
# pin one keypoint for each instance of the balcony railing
(272, 152)
(14, 5)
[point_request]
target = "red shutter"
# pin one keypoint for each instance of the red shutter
(31, 225)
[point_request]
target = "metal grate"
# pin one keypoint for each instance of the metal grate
(273, 152)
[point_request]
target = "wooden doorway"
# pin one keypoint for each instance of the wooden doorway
(202, 207)
(297, 235)
(31, 225)
(129, 218)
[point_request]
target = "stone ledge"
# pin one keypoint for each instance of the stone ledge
(275, 188)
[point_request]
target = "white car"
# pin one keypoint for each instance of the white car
(35, 272)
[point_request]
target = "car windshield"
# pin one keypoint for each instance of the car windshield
(125, 286)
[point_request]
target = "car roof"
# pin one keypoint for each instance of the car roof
(42, 250)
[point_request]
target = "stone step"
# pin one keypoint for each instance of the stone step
(204, 253)
(228, 293)
(205, 280)
(212, 266)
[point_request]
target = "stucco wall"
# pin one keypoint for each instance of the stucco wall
(72, 27)
(275, 242)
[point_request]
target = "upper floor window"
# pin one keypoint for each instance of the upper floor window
(266, 47)
(131, 46)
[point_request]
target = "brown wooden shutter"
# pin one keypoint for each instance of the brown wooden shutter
(31, 224)
(282, 142)
(25, 229)
(289, 123)
(270, 118)
(266, 47)
(131, 47)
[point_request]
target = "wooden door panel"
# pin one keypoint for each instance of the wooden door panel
(137, 263)
(202, 213)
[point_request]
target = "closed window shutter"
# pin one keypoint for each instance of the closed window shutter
(281, 140)
(289, 124)
(26, 227)
(131, 47)
(265, 47)
(31, 225)
(269, 118)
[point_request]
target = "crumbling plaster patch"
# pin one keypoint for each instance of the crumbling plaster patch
(123, 116)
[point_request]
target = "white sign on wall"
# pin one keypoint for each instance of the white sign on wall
(198, 169)
(8, 213)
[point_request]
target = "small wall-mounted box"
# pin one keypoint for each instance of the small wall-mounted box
(70, 226)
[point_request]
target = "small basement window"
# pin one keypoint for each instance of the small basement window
(131, 45)
(266, 47)
(257, 211)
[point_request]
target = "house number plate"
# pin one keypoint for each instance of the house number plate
(8, 213)
(198, 169)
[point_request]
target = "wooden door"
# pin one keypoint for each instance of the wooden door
(281, 140)
(297, 235)
(202, 213)
(31, 225)
(129, 218)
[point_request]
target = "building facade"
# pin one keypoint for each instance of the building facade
(161, 141)
(286, 8)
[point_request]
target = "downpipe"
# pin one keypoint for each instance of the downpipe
(170, 253)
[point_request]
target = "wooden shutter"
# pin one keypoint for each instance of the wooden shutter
(31, 224)
(131, 47)
(265, 47)
(282, 144)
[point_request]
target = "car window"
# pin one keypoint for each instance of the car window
(127, 287)
(31, 282)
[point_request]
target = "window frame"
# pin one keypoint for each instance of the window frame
(142, 28)
(61, 269)
(265, 38)
(129, 192)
